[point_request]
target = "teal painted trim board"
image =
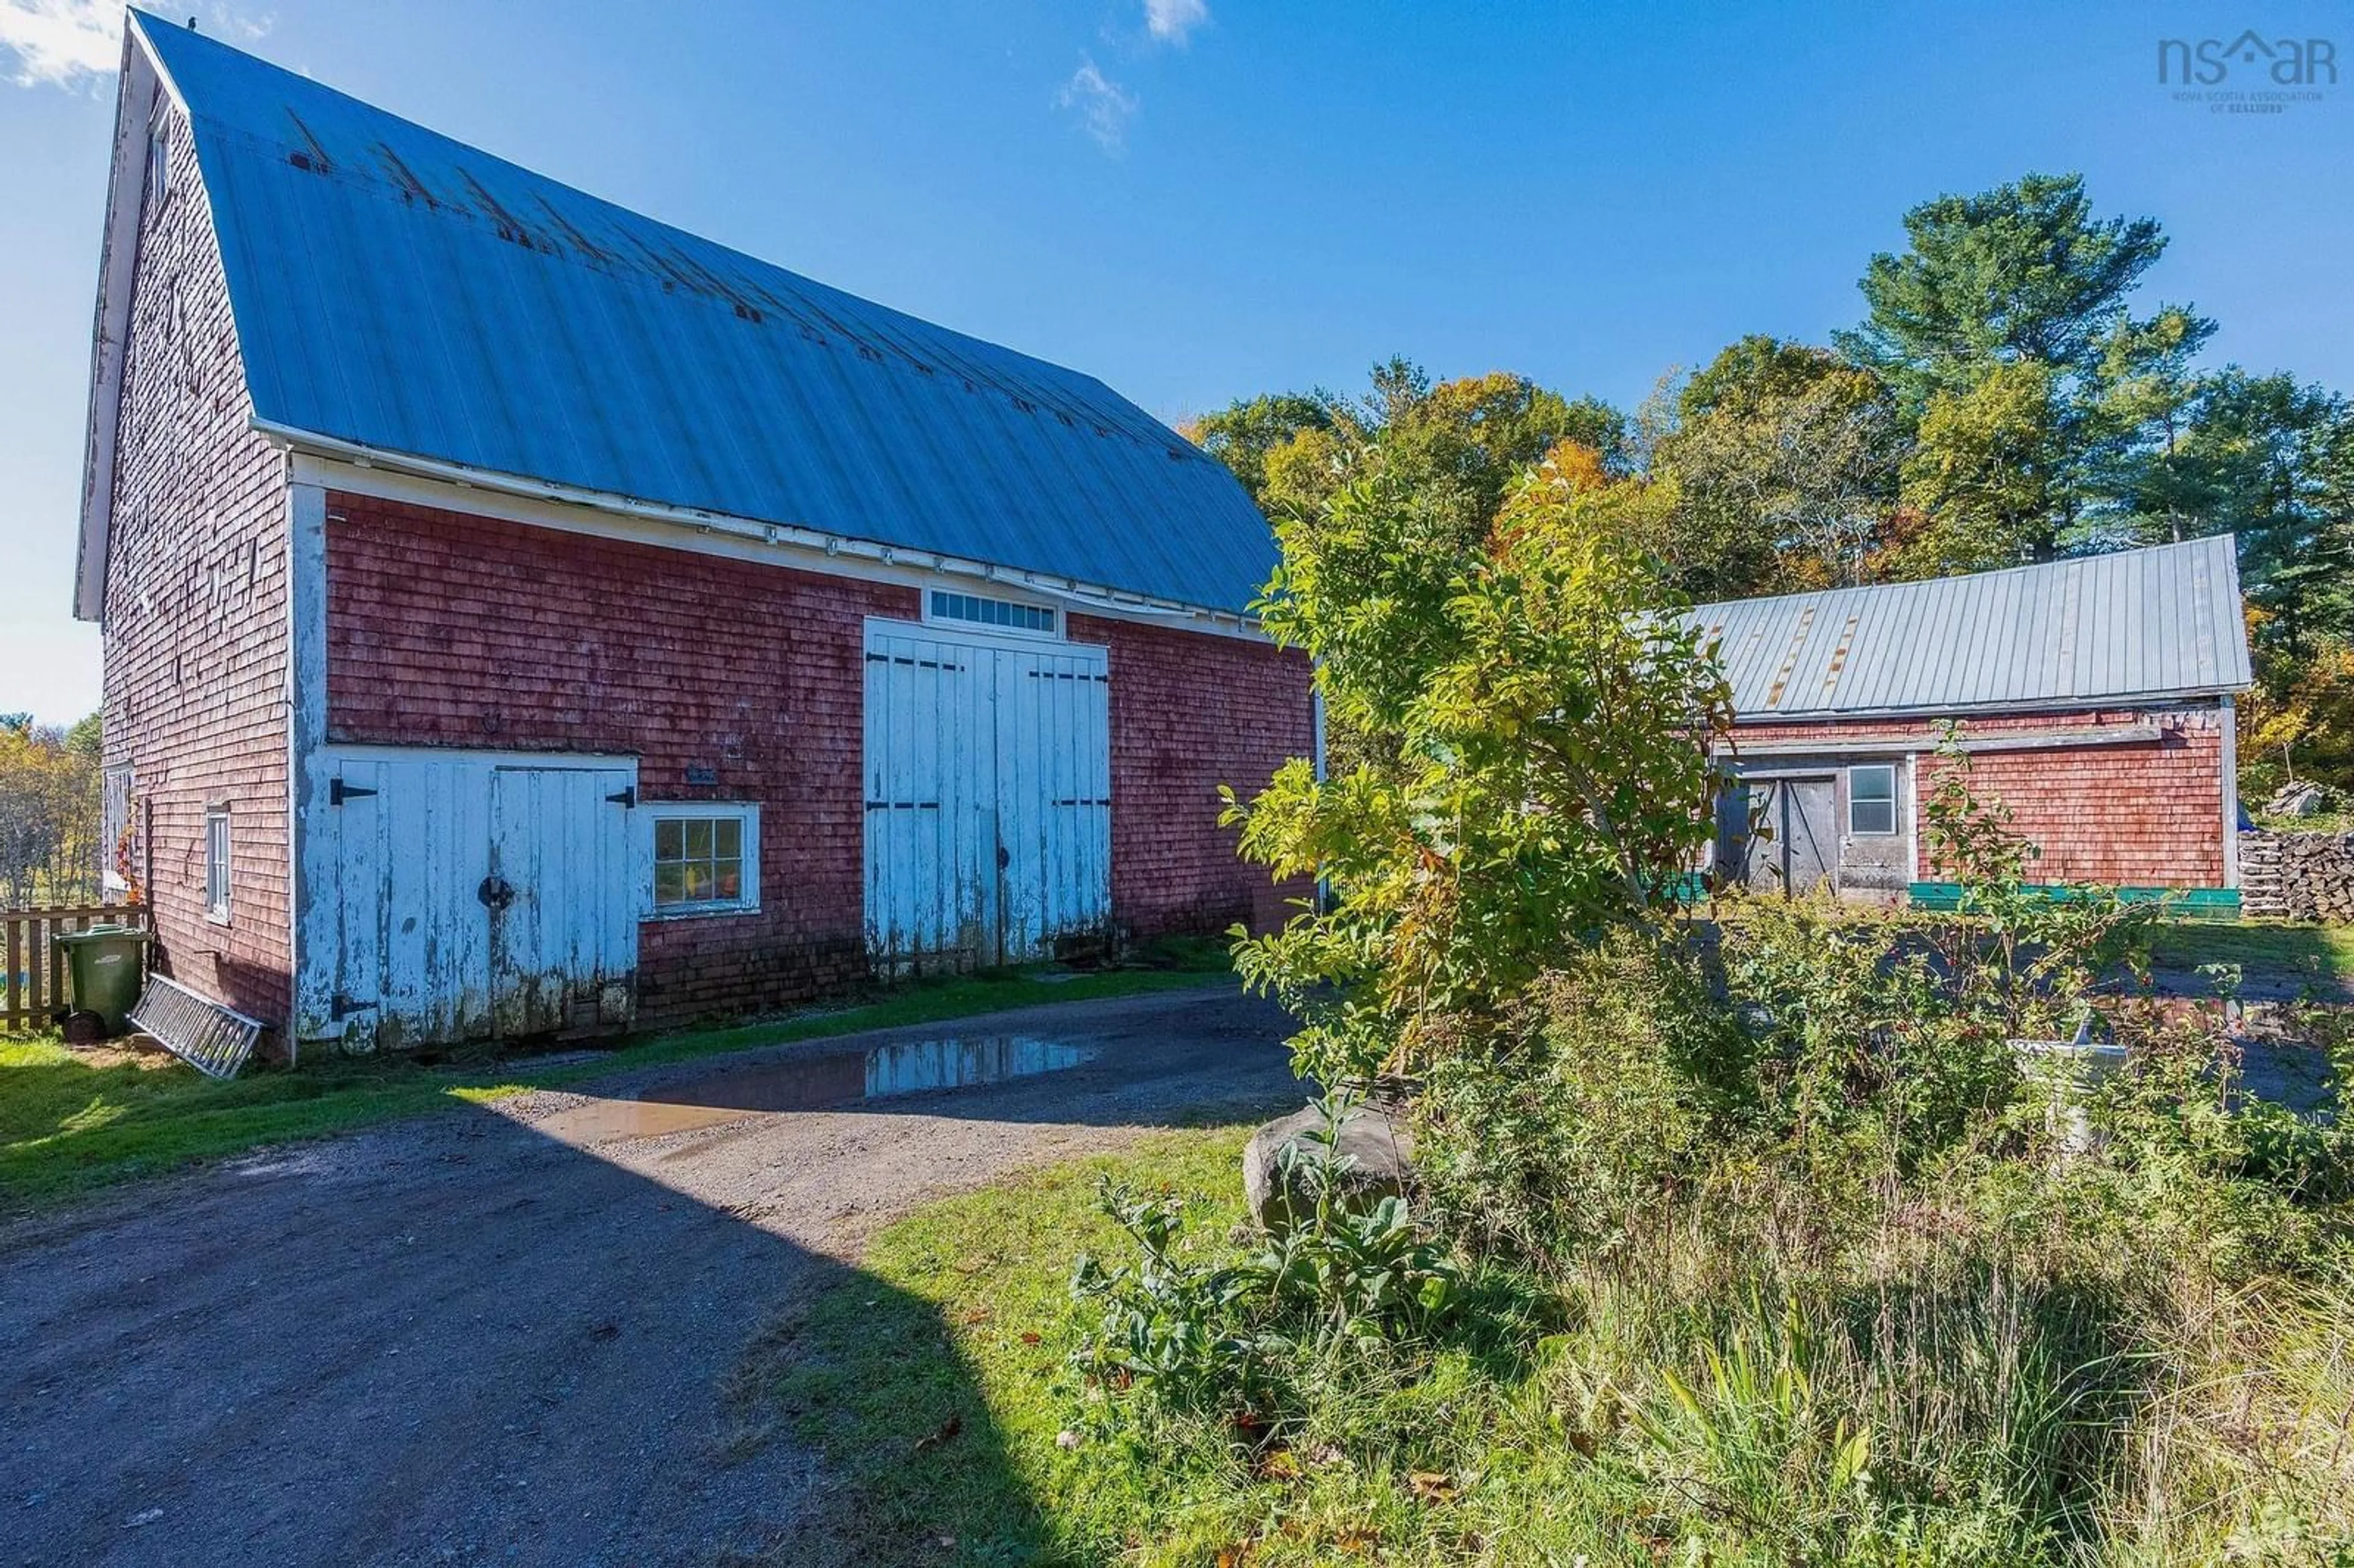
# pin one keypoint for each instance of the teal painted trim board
(2195, 903)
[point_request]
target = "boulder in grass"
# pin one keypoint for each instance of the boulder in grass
(1369, 1161)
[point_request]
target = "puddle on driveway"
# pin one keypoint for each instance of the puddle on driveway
(814, 1083)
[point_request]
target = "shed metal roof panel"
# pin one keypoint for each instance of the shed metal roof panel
(397, 289)
(2135, 624)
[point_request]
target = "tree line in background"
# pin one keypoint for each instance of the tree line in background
(51, 806)
(2005, 400)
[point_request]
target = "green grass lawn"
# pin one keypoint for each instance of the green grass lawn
(71, 1121)
(2269, 947)
(959, 1322)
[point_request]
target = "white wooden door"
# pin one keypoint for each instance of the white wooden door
(563, 913)
(1053, 791)
(988, 776)
(413, 949)
(931, 806)
(480, 897)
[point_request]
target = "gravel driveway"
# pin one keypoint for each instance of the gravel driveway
(503, 1336)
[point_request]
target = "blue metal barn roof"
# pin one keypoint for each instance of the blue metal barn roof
(399, 289)
(2159, 622)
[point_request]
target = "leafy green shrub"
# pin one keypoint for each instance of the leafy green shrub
(2024, 953)
(1612, 1084)
(1859, 1041)
(1530, 724)
(1246, 1339)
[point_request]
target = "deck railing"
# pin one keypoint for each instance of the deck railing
(33, 966)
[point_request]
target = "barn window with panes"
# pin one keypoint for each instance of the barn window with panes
(217, 888)
(1872, 800)
(978, 611)
(706, 858)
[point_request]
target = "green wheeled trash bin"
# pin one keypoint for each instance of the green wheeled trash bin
(104, 964)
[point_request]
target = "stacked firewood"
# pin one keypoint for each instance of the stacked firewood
(2297, 877)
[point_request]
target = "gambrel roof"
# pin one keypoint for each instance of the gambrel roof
(2133, 625)
(398, 292)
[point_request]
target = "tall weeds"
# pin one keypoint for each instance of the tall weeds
(1777, 1254)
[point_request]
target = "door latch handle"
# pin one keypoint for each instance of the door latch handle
(496, 892)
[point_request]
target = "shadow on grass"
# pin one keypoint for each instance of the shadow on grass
(960, 1323)
(2323, 954)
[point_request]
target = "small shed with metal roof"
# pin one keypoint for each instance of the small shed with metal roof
(2092, 696)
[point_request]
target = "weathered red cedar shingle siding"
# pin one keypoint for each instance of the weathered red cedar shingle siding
(447, 628)
(195, 629)
(1189, 712)
(2129, 814)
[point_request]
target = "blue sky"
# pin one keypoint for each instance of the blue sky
(1199, 199)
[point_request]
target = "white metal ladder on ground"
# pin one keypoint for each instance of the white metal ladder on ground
(211, 1038)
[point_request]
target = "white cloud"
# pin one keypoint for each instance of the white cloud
(1102, 106)
(59, 42)
(1172, 21)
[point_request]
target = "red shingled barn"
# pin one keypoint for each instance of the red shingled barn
(524, 616)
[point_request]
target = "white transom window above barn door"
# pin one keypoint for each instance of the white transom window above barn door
(1872, 800)
(949, 607)
(700, 857)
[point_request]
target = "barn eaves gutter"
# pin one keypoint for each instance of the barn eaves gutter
(785, 536)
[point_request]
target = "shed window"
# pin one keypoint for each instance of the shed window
(706, 858)
(1872, 800)
(992, 613)
(216, 862)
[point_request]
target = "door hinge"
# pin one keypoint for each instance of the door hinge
(628, 798)
(338, 792)
(343, 1006)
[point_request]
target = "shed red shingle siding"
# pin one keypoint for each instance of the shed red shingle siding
(447, 628)
(2138, 813)
(195, 607)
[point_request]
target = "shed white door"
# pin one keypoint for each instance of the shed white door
(480, 898)
(988, 770)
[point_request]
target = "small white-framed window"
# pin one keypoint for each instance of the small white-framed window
(1872, 800)
(159, 164)
(702, 857)
(973, 609)
(118, 850)
(217, 864)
